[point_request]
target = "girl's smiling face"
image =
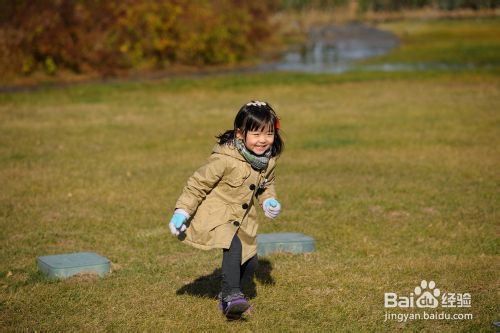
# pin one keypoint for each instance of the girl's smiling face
(258, 141)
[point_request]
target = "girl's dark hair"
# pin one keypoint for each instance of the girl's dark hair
(254, 116)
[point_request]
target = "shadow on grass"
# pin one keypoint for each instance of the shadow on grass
(209, 285)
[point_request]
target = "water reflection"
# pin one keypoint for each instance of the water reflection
(334, 49)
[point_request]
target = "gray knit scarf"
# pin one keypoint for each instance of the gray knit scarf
(257, 162)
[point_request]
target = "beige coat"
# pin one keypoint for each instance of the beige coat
(219, 197)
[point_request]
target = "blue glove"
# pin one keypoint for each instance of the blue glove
(271, 207)
(177, 222)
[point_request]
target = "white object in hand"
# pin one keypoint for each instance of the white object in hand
(272, 208)
(178, 222)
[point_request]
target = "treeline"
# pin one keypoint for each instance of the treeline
(392, 5)
(108, 36)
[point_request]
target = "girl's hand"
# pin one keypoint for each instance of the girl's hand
(271, 207)
(177, 222)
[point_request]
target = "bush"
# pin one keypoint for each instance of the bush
(394, 5)
(106, 36)
(305, 4)
(472, 4)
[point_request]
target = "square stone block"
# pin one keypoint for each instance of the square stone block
(62, 266)
(284, 242)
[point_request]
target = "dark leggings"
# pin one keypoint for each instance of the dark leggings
(234, 274)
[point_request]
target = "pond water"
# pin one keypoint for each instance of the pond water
(335, 49)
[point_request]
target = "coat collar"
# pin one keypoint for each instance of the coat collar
(229, 150)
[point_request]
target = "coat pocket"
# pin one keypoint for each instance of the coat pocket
(214, 217)
(237, 177)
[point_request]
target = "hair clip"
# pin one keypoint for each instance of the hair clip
(256, 103)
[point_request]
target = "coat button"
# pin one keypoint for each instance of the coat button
(252, 187)
(236, 223)
(244, 206)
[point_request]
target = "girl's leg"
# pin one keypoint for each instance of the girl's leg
(231, 267)
(247, 271)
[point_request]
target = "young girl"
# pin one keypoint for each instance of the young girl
(216, 208)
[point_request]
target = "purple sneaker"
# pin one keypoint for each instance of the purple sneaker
(235, 308)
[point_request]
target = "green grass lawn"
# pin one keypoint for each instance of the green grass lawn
(395, 176)
(472, 42)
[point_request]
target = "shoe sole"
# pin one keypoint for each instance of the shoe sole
(234, 312)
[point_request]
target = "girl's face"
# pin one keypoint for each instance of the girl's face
(259, 141)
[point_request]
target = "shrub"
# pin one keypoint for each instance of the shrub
(394, 5)
(106, 36)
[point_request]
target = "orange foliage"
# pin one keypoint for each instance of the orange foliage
(105, 36)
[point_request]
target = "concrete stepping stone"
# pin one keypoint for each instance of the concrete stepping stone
(62, 266)
(284, 242)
